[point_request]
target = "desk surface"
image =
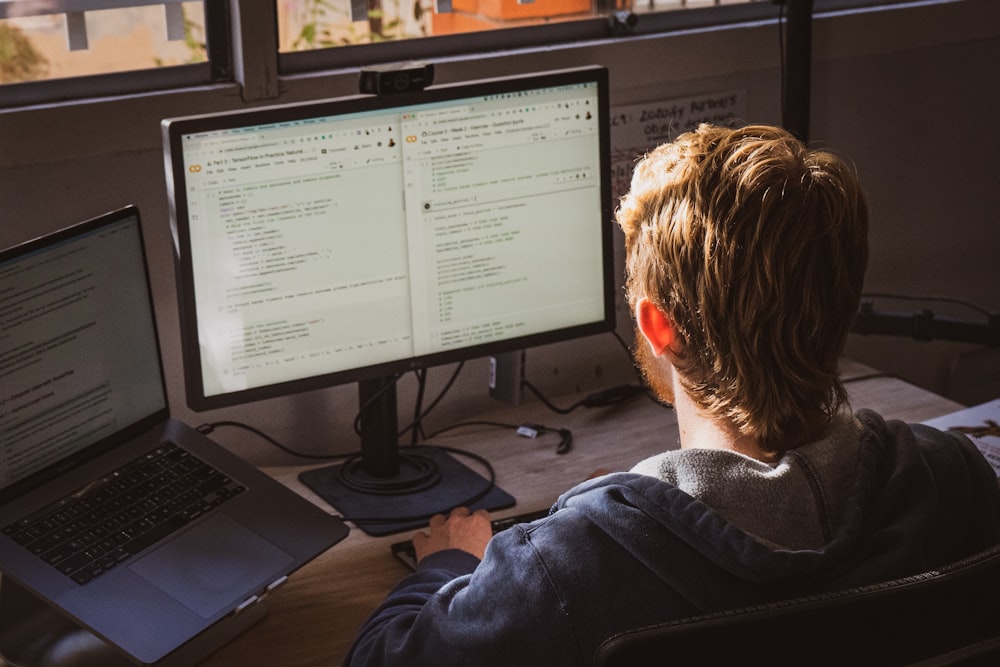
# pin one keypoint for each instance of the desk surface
(313, 618)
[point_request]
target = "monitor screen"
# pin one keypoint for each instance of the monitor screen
(79, 358)
(359, 238)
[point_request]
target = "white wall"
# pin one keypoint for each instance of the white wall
(908, 94)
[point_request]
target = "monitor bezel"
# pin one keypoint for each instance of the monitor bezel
(174, 131)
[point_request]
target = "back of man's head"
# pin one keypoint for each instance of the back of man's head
(755, 246)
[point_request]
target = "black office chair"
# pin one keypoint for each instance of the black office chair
(949, 616)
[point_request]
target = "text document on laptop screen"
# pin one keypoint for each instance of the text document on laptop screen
(324, 244)
(78, 350)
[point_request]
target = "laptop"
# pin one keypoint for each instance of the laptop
(196, 536)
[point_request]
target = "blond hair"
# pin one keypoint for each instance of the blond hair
(755, 246)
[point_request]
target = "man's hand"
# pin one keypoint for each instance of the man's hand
(461, 530)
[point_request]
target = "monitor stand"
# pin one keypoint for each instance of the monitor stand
(388, 488)
(34, 634)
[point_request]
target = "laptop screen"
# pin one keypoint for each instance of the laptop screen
(79, 358)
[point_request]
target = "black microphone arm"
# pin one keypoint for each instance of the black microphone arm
(925, 326)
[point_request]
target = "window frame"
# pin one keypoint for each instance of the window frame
(571, 31)
(242, 45)
(218, 68)
(506, 40)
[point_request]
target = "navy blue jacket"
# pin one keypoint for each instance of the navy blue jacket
(629, 550)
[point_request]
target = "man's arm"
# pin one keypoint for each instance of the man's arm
(457, 611)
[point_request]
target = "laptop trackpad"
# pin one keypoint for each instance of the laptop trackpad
(209, 567)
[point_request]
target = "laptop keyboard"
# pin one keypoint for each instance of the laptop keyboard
(100, 526)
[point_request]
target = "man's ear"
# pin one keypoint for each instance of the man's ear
(655, 326)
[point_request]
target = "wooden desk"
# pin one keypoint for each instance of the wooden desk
(314, 617)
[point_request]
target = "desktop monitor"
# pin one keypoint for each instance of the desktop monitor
(359, 238)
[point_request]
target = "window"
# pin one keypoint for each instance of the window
(330, 34)
(313, 24)
(41, 42)
(54, 50)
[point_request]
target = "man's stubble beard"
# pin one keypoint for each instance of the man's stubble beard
(652, 369)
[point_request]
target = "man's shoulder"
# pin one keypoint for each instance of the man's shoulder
(609, 488)
(948, 460)
(931, 441)
(620, 502)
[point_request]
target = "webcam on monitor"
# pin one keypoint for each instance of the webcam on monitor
(396, 78)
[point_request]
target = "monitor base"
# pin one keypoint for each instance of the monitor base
(395, 509)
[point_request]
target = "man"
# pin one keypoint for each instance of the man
(746, 254)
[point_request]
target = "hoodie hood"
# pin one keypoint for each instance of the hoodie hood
(906, 491)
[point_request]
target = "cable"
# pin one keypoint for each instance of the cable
(206, 429)
(424, 471)
(424, 475)
(478, 422)
(526, 430)
(625, 346)
(549, 404)
(421, 387)
(597, 399)
(640, 377)
(870, 376)
(490, 484)
(930, 299)
(372, 399)
(417, 422)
